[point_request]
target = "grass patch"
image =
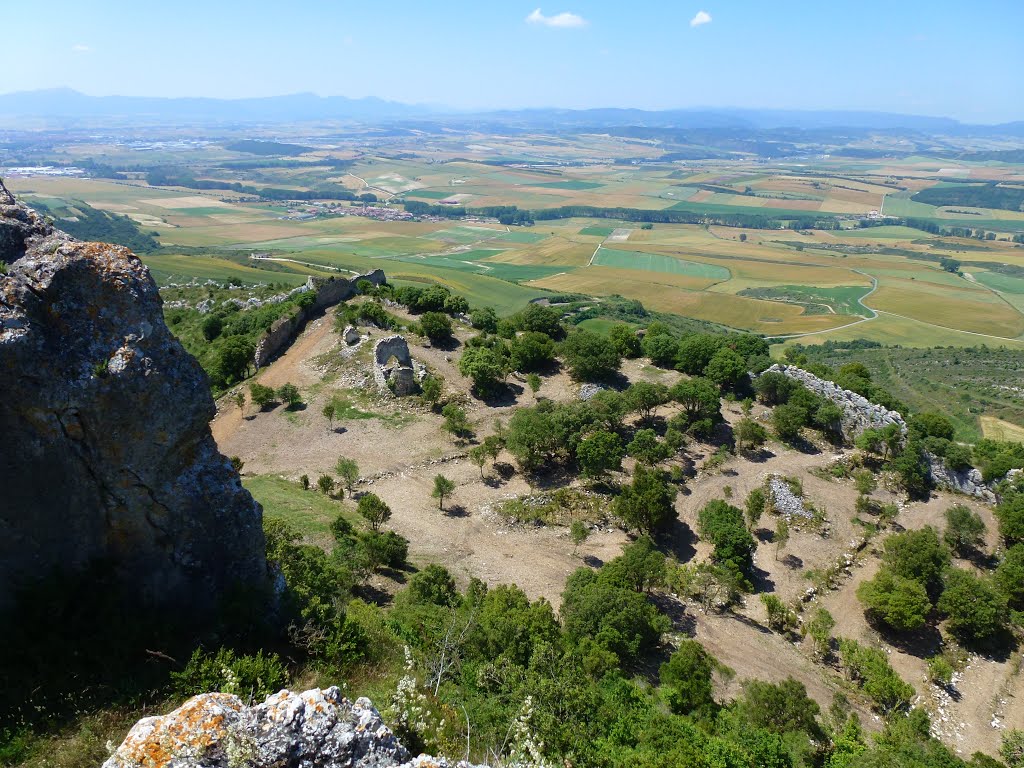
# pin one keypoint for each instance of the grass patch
(597, 231)
(309, 512)
(346, 408)
(997, 429)
(177, 269)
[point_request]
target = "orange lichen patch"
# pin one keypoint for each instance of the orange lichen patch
(189, 731)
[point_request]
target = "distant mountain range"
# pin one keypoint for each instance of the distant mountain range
(67, 104)
(70, 104)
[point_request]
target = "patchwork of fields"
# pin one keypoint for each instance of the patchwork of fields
(883, 283)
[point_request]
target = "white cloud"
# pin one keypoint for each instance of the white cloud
(564, 20)
(81, 48)
(702, 17)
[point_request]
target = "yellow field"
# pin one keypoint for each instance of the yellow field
(982, 313)
(551, 252)
(661, 292)
(997, 429)
(890, 329)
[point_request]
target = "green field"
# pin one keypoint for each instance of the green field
(573, 185)
(815, 301)
(464, 235)
(999, 282)
(177, 269)
(654, 262)
(745, 210)
(884, 233)
(597, 231)
(428, 194)
(501, 270)
(522, 237)
(481, 287)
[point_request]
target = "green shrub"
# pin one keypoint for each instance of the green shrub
(897, 602)
(248, 676)
(869, 668)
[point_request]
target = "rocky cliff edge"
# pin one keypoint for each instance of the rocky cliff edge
(107, 453)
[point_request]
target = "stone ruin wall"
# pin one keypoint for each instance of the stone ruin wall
(859, 413)
(328, 293)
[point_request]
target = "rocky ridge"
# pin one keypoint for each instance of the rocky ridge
(111, 458)
(318, 728)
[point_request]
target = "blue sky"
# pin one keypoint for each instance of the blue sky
(961, 59)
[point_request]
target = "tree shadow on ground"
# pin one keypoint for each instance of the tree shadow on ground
(759, 456)
(592, 561)
(504, 396)
(679, 541)
(792, 562)
(922, 643)
(765, 535)
(449, 344)
(749, 622)
(551, 480)
(804, 446)
(372, 594)
(504, 470)
(762, 581)
(683, 621)
(395, 574)
(456, 510)
(980, 559)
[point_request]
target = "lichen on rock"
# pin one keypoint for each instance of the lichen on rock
(318, 728)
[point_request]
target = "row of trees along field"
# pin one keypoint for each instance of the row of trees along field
(510, 214)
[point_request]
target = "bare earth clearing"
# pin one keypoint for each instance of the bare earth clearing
(400, 446)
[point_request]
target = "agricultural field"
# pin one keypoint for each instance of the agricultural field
(884, 283)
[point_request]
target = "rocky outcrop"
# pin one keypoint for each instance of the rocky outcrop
(966, 481)
(105, 418)
(859, 413)
(328, 292)
(784, 502)
(315, 729)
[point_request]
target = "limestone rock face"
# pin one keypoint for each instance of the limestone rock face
(318, 728)
(968, 481)
(108, 455)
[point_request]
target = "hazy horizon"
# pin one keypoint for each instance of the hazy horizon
(912, 58)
